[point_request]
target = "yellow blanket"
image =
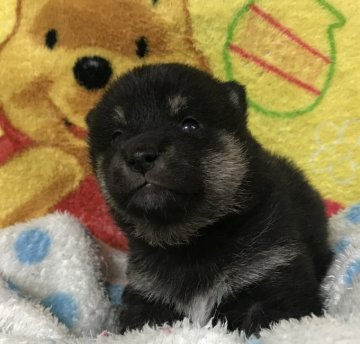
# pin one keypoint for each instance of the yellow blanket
(298, 60)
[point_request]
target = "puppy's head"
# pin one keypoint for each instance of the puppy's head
(167, 146)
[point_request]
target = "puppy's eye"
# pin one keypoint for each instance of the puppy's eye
(115, 135)
(190, 125)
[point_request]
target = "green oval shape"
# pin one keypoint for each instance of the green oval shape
(331, 39)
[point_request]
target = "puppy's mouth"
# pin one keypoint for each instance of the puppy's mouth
(149, 186)
(153, 185)
(78, 132)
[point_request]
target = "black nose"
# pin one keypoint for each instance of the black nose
(142, 161)
(92, 72)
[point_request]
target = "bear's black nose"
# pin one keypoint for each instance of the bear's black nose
(92, 72)
(142, 161)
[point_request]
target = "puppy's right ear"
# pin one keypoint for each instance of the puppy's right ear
(237, 95)
(90, 118)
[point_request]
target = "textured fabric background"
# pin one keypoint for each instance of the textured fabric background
(298, 60)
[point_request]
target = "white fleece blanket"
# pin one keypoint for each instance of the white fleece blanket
(57, 284)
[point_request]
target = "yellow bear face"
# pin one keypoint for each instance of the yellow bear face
(57, 58)
(62, 54)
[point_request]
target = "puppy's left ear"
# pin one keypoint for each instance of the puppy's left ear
(237, 95)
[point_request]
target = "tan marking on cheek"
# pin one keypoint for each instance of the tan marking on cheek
(101, 180)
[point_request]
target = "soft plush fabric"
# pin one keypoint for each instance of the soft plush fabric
(59, 283)
(298, 60)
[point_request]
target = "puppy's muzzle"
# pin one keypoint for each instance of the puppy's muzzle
(142, 161)
(142, 153)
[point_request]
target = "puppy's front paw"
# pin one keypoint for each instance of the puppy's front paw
(129, 319)
(254, 320)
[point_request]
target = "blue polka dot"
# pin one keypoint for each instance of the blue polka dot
(341, 246)
(353, 214)
(115, 292)
(352, 271)
(32, 246)
(63, 306)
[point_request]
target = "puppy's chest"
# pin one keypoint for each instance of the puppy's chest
(193, 293)
(195, 288)
(200, 308)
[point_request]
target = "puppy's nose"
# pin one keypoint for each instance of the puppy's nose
(92, 72)
(142, 161)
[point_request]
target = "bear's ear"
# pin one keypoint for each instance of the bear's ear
(9, 18)
(237, 95)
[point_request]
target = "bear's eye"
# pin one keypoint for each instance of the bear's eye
(51, 38)
(189, 125)
(142, 48)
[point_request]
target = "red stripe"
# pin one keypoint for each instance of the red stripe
(271, 20)
(274, 69)
(77, 131)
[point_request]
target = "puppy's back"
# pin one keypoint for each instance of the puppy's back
(300, 201)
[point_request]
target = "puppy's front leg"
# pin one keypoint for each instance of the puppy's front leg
(238, 311)
(137, 311)
(290, 293)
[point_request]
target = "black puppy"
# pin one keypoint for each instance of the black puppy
(218, 227)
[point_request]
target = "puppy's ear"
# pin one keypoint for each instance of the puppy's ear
(237, 95)
(90, 118)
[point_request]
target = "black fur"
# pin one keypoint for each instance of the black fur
(212, 217)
